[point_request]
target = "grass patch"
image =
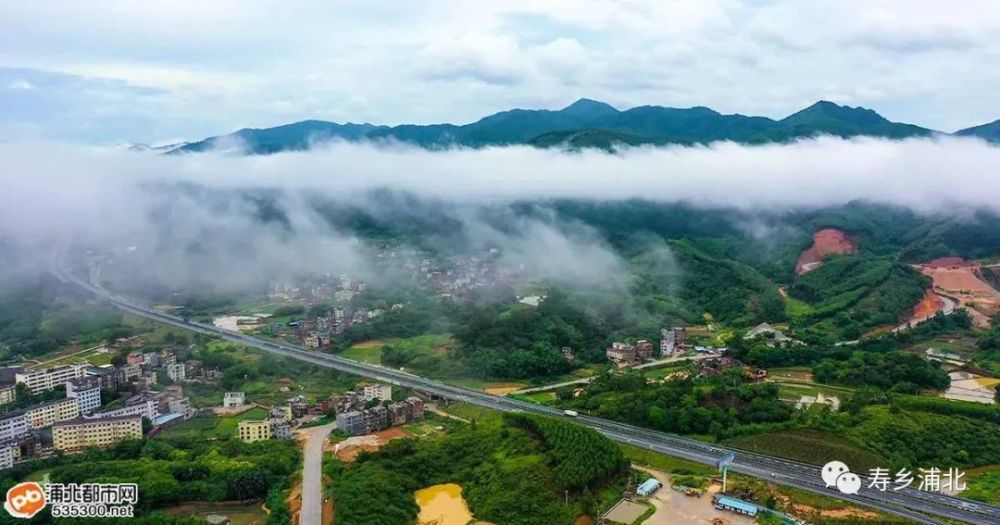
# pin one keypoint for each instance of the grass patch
(810, 446)
(472, 412)
(212, 427)
(983, 484)
(665, 463)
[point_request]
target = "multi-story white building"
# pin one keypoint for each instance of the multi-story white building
(233, 399)
(378, 391)
(41, 380)
(82, 433)
(86, 391)
(251, 430)
(146, 408)
(176, 372)
(8, 455)
(13, 425)
(46, 414)
(8, 394)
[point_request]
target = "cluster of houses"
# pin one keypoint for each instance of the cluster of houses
(357, 412)
(717, 365)
(319, 332)
(281, 419)
(672, 341)
(318, 289)
(143, 368)
(373, 409)
(77, 420)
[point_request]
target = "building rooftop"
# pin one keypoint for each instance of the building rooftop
(738, 504)
(84, 421)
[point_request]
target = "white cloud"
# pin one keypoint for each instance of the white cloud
(20, 84)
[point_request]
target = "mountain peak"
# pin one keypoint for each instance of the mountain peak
(589, 108)
(826, 111)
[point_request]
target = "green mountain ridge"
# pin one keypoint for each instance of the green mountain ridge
(587, 123)
(989, 132)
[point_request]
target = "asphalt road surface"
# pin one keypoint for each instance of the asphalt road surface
(916, 505)
(312, 475)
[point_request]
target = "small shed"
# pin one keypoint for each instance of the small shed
(648, 487)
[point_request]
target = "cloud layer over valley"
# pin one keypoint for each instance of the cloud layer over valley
(242, 218)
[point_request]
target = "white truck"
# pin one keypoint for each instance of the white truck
(571, 413)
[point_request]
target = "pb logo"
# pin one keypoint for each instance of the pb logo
(24, 500)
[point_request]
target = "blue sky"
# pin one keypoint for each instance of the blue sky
(156, 71)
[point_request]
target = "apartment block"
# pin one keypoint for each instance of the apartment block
(13, 425)
(7, 456)
(250, 430)
(41, 380)
(86, 391)
(176, 372)
(142, 406)
(82, 433)
(47, 414)
(378, 391)
(233, 399)
(8, 393)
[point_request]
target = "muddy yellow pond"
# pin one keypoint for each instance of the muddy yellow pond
(442, 505)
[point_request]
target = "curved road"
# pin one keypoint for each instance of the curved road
(918, 506)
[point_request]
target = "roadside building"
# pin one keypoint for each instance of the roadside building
(281, 431)
(416, 408)
(672, 341)
(176, 372)
(41, 380)
(620, 353)
(83, 433)
(283, 413)
(378, 391)
(13, 425)
(233, 399)
(8, 394)
(736, 505)
(45, 415)
(351, 423)
(399, 413)
(250, 430)
(87, 392)
(643, 350)
(376, 418)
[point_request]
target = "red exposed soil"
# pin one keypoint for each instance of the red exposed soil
(929, 305)
(946, 262)
(828, 241)
(962, 280)
(349, 453)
